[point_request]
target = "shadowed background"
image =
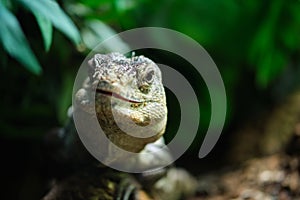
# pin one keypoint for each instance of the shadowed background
(255, 44)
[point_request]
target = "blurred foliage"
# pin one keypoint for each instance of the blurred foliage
(47, 13)
(255, 44)
(262, 34)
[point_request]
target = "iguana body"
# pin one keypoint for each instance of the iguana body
(129, 97)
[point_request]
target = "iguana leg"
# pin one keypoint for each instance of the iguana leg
(164, 182)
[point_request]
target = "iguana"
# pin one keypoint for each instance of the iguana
(129, 93)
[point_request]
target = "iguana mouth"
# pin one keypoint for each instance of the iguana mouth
(118, 96)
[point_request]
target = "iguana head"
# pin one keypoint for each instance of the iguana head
(129, 99)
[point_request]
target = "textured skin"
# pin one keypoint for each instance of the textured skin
(130, 105)
(130, 100)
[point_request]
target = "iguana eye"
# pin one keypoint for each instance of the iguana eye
(149, 76)
(146, 80)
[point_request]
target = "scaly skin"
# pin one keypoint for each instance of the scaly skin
(131, 108)
(129, 96)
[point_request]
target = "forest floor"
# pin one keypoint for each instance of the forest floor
(268, 178)
(269, 155)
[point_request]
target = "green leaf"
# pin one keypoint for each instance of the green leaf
(270, 67)
(290, 30)
(96, 31)
(124, 5)
(95, 3)
(50, 10)
(14, 41)
(46, 29)
(264, 54)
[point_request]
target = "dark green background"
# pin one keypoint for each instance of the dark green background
(255, 44)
